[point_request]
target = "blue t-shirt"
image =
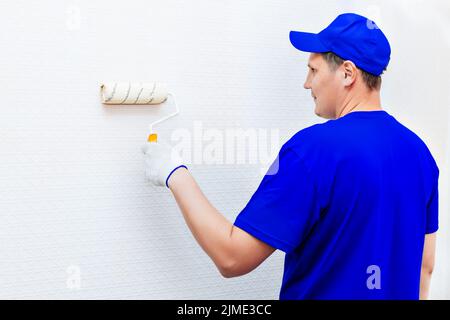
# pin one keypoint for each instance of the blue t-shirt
(350, 204)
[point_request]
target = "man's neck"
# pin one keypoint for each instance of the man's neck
(368, 102)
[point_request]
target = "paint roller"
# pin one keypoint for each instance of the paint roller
(138, 93)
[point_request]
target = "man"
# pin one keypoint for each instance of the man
(354, 203)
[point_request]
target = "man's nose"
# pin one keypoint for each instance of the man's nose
(306, 85)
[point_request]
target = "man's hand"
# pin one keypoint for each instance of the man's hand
(160, 162)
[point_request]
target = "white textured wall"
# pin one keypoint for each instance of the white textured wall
(74, 203)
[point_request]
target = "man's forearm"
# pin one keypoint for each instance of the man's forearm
(425, 279)
(209, 227)
(429, 249)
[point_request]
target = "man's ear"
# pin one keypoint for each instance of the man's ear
(349, 72)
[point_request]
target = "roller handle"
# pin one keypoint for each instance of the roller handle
(152, 137)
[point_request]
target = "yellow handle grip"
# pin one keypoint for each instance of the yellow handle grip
(152, 137)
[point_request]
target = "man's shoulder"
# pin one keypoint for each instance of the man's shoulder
(313, 134)
(309, 141)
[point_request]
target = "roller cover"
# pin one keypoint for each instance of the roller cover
(133, 92)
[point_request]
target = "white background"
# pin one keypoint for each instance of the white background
(78, 219)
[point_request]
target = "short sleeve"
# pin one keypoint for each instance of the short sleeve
(283, 209)
(432, 223)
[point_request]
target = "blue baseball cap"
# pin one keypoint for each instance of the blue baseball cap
(351, 37)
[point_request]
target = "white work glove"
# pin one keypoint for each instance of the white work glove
(160, 162)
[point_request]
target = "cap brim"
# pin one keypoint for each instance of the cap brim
(308, 42)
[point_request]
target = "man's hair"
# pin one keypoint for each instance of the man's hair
(334, 61)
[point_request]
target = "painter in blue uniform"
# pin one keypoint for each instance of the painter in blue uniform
(347, 199)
